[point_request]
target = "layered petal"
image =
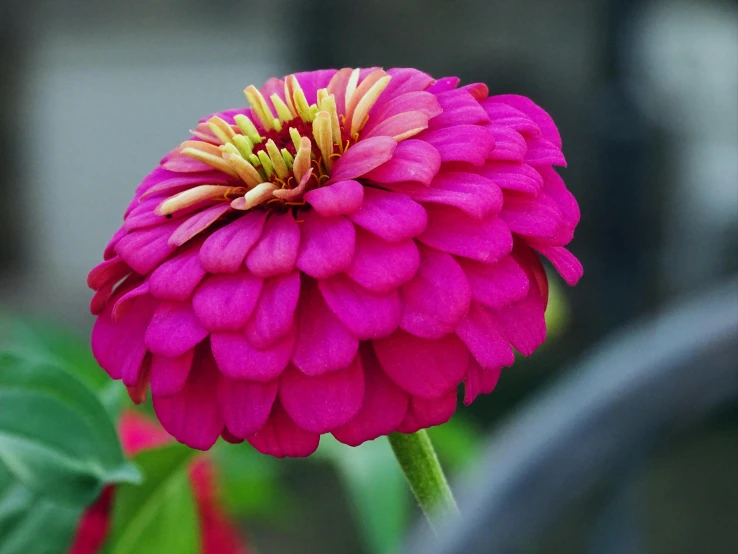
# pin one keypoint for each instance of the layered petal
(391, 216)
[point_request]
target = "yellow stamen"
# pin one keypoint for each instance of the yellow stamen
(288, 159)
(360, 112)
(288, 98)
(254, 159)
(248, 128)
(246, 172)
(257, 195)
(283, 110)
(221, 129)
(301, 164)
(266, 163)
(280, 168)
(328, 104)
(351, 86)
(259, 107)
(295, 135)
(202, 154)
(298, 98)
(189, 197)
(323, 137)
(244, 145)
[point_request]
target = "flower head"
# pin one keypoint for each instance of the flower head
(336, 259)
(217, 533)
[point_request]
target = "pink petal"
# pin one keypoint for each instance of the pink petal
(459, 108)
(322, 403)
(382, 266)
(426, 368)
(477, 196)
(177, 278)
(444, 84)
(479, 91)
(323, 343)
(142, 215)
(169, 375)
(124, 302)
(451, 230)
(555, 189)
(403, 80)
(109, 272)
(509, 144)
(413, 161)
(144, 249)
(543, 152)
(535, 112)
(437, 298)
(383, 408)
(180, 163)
(274, 315)
(462, 143)
(482, 336)
(513, 176)
(176, 182)
(507, 116)
(109, 251)
(390, 215)
(498, 284)
(198, 223)
(568, 266)
(419, 101)
(368, 315)
(423, 413)
(362, 157)
(341, 198)
(276, 251)
(192, 416)
(119, 346)
(225, 250)
(523, 323)
(536, 217)
(225, 302)
(239, 359)
(174, 329)
(479, 381)
(272, 86)
(400, 126)
(245, 405)
(281, 437)
(311, 81)
(326, 245)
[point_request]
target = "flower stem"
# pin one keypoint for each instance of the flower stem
(421, 467)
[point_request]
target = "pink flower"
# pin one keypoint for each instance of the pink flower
(217, 533)
(337, 259)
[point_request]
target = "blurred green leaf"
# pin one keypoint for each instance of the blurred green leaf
(457, 442)
(557, 311)
(160, 515)
(58, 448)
(377, 487)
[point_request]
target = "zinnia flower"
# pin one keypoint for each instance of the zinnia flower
(217, 533)
(337, 259)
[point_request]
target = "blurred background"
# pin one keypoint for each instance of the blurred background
(645, 94)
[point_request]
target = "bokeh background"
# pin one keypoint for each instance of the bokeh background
(645, 94)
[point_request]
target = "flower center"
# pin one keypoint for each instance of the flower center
(288, 148)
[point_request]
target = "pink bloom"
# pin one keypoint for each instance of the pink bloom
(217, 534)
(337, 259)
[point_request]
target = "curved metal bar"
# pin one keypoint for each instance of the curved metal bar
(652, 379)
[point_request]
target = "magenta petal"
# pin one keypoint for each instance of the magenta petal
(143, 215)
(400, 126)
(281, 437)
(509, 144)
(451, 230)
(177, 278)
(390, 215)
(555, 189)
(462, 143)
(311, 81)
(543, 152)
(144, 249)
(341, 198)
(477, 196)
(426, 368)
(383, 408)
(326, 245)
(323, 343)
(362, 157)
(513, 176)
(168, 375)
(423, 413)
(225, 302)
(245, 405)
(496, 285)
(174, 329)
(535, 217)
(274, 315)
(482, 336)
(523, 322)
(239, 359)
(459, 108)
(180, 163)
(418, 101)
(403, 80)
(444, 84)
(568, 266)
(225, 250)
(110, 271)
(119, 346)
(368, 315)
(197, 223)
(322, 403)
(109, 251)
(437, 298)
(276, 251)
(192, 416)
(535, 112)
(382, 266)
(413, 161)
(507, 116)
(479, 381)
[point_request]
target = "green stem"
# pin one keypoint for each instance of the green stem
(420, 465)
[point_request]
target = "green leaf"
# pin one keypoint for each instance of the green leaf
(377, 488)
(160, 515)
(58, 448)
